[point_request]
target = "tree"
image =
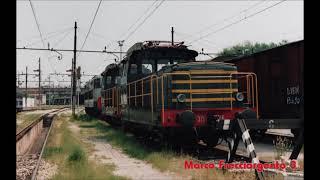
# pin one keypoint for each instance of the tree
(247, 48)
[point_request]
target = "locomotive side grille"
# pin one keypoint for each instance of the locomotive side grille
(209, 88)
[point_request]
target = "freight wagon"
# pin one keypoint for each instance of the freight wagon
(280, 73)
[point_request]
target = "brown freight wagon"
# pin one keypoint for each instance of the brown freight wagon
(280, 74)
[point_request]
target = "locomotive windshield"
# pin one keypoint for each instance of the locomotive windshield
(149, 57)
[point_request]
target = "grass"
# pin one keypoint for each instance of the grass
(81, 117)
(70, 154)
(163, 160)
(282, 145)
(77, 154)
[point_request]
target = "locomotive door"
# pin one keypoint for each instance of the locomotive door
(124, 107)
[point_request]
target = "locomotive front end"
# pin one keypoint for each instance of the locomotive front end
(207, 96)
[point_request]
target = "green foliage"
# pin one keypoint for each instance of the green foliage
(81, 117)
(248, 47)
(76, 155)
(69, 153)
(49, 151)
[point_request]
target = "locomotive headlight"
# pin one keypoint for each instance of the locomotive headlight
(239, 96)
(181, 98)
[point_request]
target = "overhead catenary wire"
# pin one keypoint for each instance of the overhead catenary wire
(35, 17)
(49, 37)
(83, 34)
(101, 38)
(62, 39)
(141, 23)
(48, 58)
(144, 20)
(68, 50)
(236, 22)
(225, 19)
(204, 42)
(56, 44)
(85, 40)
(45, 35)
(38, 26)
(132, 25)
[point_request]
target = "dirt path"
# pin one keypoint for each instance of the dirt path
(125, 166)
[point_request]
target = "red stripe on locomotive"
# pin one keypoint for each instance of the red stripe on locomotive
(169, 118)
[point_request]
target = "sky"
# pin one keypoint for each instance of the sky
(211, 25)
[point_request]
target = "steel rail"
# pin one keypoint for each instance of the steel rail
(35, 171)
(21, 133)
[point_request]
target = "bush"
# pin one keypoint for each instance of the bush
(82, 117)
(77, 154)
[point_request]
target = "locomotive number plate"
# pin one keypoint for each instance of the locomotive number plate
(200, 119)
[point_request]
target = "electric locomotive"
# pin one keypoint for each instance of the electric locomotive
(109, 92)
(92, 96)
(160, 90)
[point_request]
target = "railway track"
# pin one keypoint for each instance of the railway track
(43, 108)
(30, 144)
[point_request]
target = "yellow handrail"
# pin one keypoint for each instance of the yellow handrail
(251, 81)
(251, 78)
(143, 94)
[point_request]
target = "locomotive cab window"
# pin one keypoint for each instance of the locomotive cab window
(97, 83)
(108, 80)
(105, 84)
(133, 69)
(146, 69)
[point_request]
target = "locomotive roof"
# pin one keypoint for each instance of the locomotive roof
(158, 45)
(96, 77)
(155, 44)
(109, 67)
(199, 65)
(92, 79)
